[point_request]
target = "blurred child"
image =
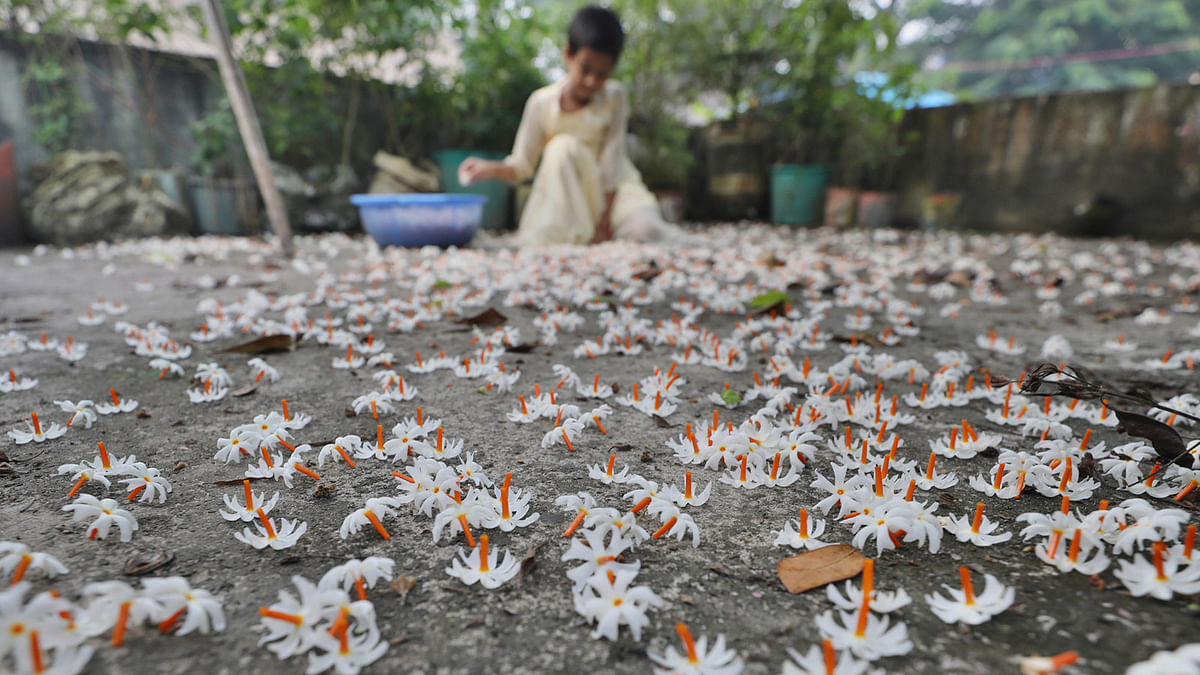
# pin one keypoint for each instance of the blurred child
(585, 189)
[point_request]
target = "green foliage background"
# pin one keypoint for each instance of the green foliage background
(999, 31)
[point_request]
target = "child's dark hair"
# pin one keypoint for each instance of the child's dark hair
(598, 28)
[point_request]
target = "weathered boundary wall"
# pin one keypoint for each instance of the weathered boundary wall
(141, 104)
(1123, 162)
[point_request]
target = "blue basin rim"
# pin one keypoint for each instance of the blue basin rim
(417, 198)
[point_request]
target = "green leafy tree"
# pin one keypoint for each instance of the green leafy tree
(990, 48)
(312, 65)
(500, 43)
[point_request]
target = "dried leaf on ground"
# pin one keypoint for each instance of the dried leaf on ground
(649, 272)
(265, 345)
(529, 560)
(862, 338)
(769, 259)
(245, 391)
(1120, 313)
(402, 585)
(1166, 441)
(662, 421)
(238, 481)
(145, 563)
(825, 565)
(523, 348)
(488, 317)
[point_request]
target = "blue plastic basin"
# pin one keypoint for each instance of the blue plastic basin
(420, 219)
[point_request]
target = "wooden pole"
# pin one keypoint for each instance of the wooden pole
(247, 121)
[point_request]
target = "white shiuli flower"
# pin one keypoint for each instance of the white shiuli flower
(608, 600)
(697, 658)
(482, 566)
(964, 606)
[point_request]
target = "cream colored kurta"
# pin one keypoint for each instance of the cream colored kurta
(582, 156)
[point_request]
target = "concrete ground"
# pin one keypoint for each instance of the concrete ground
(728, 585)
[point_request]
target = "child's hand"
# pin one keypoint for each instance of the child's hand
(604, 225)
(603, 229)
(472, 169)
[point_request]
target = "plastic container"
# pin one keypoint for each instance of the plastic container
(840, 206)
(416, 220)
(876, 209)
(225, 206)
(498, 192)
(796, 193)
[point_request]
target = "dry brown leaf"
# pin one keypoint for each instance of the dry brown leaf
(958, 278)
(661, 421)
(861, 337)
(245, 391)
(529, 560)
(238, 481)
(145, 563)
(523, 348)
(488, 317)
(825, 565)
(1166, 440)
(265, 345)
(770, 260)
(402, 585)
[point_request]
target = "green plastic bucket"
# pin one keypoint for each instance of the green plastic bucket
(495, 209)
(796, 193)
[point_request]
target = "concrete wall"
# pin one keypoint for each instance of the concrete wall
(1114, 162)
(141, 104)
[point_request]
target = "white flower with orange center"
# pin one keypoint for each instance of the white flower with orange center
(71, 350)
(183, 609)
(511, 509)
(977, 529)
(260, 370)
(106, 514)
(964, 606)
(697, 658)
(869, 637)
(824, 660)
(35, 432)
(254, 502)
(483, 566)
(18, 559)
(281, 536)
(608, 600)
(10, 383)
(372, 513)
(118, 405)
(83, 412)
(1162, 577)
